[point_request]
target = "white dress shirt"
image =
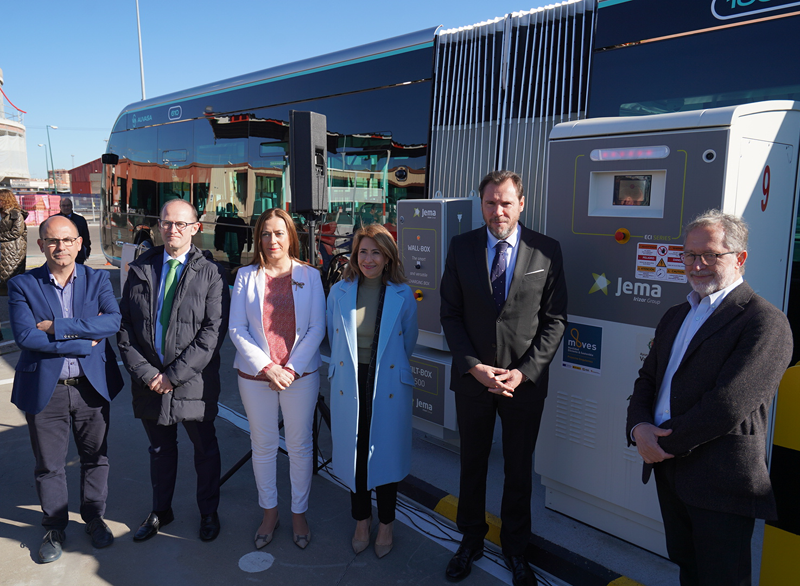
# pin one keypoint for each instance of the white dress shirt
(700, 311)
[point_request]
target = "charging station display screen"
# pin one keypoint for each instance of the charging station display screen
(632, 190)
(627, 193)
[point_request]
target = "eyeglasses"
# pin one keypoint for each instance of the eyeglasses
(181, 226)
(53, 242)
(709, 258)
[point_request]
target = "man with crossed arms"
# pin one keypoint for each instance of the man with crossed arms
(61, 314)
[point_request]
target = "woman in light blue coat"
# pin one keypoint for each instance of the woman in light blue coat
(372, 328)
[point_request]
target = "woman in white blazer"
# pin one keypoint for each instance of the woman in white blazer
(277, 323)
(372, 328)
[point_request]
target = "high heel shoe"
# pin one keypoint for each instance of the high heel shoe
(302, 541)
(358, 544)
(263, 540)
(382, 550)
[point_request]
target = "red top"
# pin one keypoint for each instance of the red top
(278, 321)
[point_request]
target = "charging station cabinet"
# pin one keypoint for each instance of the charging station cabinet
(424, 230)
(620, 191)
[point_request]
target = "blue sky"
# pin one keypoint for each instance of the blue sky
(75, 64)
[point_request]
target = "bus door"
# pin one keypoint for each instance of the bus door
(270, 175)
(143, 170)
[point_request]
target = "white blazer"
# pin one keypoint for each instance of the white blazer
(246, 325)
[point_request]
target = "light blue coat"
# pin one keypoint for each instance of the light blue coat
(390, 429)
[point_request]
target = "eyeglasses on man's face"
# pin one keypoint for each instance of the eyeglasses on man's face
(709, 258)
(53, 242)
(181, 226)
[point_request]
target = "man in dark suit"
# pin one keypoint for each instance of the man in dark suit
(700, 407)
(83, 229)
(61, 314)
(231, 234)
(504, 311)
(174, 319)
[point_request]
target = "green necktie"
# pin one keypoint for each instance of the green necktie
(170, 284)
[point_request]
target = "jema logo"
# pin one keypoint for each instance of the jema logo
(600, 284)
(641, 292)
(637, 289)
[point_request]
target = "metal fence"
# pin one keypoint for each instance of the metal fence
(41, 206)
(500, 88)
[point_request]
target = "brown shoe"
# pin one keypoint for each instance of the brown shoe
(360, 545)
(382, 549)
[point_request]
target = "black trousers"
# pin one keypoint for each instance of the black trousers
(711, 548)
(164, 463)
(386, 494)
(82, 409)
(520, 420)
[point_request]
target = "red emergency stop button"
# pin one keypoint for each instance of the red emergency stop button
(418, 295)
(622, 236)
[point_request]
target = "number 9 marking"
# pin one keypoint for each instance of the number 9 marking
(765, 181)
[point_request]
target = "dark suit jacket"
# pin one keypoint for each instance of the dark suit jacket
(720, 398)
(83, 232)
(32, 298)
(528, 330)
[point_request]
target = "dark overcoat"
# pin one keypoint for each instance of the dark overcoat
(197, 326)
(720, 400)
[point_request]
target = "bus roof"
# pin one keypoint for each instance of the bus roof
(366, 51)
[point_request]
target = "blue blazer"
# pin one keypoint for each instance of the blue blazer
(32, 298)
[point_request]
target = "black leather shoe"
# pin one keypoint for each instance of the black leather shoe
(521, 573)
(209, 527)
(50, 550)
(460, 564)
(99, 532)
(152, 524)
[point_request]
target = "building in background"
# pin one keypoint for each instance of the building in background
(85, 179)
(13, 151)
(31, 185)
(61, 177)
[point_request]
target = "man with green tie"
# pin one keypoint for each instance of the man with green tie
(174, 318)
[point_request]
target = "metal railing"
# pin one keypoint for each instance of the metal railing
(41, 206)
(13, 116)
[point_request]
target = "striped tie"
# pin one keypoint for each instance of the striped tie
(499, 275)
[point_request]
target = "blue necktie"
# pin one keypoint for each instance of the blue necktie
(498, 275)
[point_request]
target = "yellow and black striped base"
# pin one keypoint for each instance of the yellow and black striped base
(780, 558)
(553, 559)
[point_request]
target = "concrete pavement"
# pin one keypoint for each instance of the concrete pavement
(177, 556)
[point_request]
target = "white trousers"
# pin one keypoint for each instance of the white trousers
(297, 405)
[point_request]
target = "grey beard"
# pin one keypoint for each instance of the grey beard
(501, 235)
